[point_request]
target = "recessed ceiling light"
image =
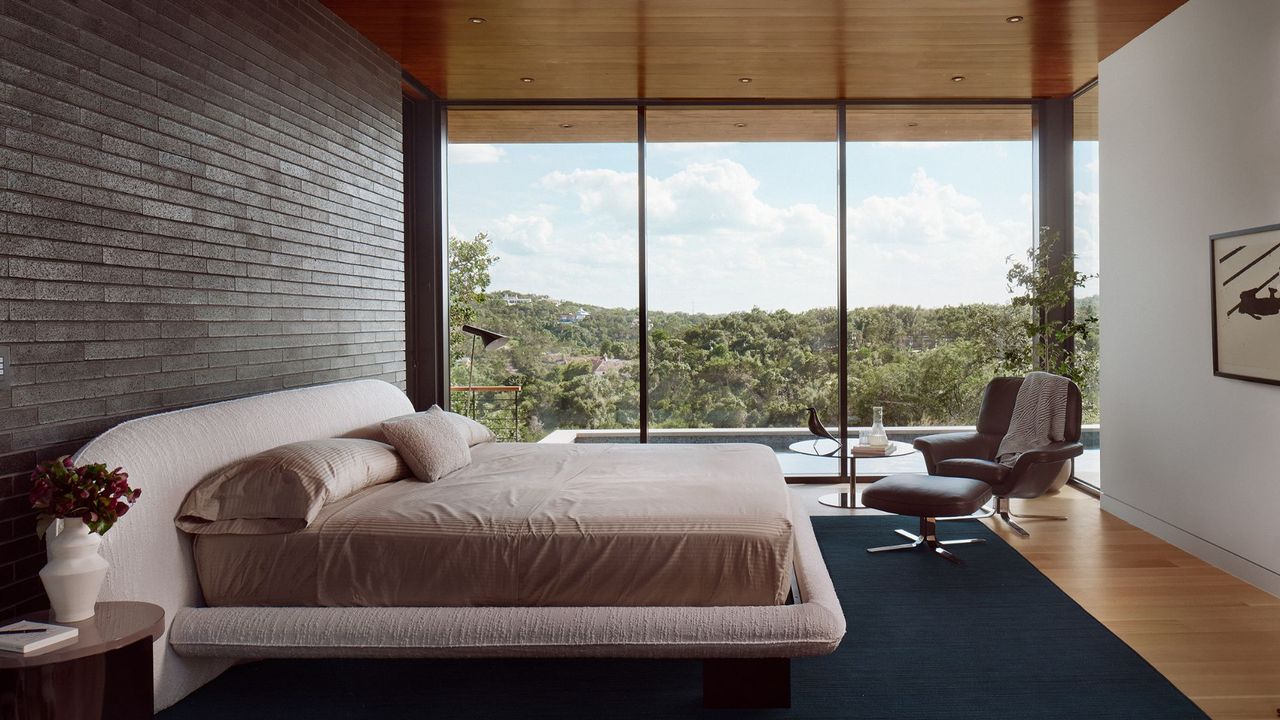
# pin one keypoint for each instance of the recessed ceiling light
(566, 126)
(1014, 19)
(957, 78)
(476, 20)
(744, 80)
(739, 124)
(526, 80)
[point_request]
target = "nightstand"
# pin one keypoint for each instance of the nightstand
(105, 673)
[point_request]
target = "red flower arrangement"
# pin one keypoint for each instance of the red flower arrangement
(59, 489)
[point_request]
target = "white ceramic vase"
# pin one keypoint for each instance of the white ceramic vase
(75, 572)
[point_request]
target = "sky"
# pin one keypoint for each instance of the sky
(731, 226)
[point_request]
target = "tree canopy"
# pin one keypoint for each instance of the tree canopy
(578, 364)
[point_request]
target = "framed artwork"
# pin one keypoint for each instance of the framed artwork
(1245, 268)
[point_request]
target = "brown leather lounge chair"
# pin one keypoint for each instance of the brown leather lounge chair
(972, 454)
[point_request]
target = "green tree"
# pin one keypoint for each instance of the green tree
(469, 263)
(752, 368)
(1046, 288)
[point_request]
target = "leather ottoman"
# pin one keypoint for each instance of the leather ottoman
(927, 497)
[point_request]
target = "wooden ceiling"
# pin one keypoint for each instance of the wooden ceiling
(738, 124)
(1085, 115)
(796, 49)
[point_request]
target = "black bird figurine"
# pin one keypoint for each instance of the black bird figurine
(815, 426)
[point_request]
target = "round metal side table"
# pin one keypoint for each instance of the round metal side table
(822, 447)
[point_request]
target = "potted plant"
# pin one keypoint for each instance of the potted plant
(1046, 288)
(1046, 284)
(90, 499)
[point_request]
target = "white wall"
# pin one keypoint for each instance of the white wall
(1190, 146)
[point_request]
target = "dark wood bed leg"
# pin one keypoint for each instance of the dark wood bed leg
(746, 683)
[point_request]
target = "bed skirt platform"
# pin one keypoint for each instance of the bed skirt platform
(812, 627)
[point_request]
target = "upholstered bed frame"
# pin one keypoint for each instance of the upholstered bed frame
(151, 560)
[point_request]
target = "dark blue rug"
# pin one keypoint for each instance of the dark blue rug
(926, 639)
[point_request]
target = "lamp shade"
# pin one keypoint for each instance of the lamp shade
(491, 340)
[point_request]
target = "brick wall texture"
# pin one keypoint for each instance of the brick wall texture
(199, 200)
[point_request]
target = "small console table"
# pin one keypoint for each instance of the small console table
(104, 674)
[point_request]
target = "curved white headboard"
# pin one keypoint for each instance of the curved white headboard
(167, 454)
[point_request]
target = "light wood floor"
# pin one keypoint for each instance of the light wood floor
(1215, 637)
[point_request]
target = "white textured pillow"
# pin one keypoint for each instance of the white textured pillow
(429, 442)
(474, 432)
(282, 489)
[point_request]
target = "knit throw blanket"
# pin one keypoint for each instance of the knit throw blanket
(1039, 416)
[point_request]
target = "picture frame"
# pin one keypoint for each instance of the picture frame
(1244, 271)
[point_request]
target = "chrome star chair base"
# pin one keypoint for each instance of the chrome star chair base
(1004, 510)
(928, 537)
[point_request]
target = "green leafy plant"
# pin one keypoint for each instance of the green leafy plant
(92, 493)
(1046, 284)
(469, 263)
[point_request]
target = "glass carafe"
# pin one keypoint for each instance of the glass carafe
(877, 436)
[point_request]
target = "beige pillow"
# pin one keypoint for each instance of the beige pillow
(474, 432)
(429, 442)
(281, 490)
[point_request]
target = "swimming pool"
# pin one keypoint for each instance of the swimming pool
(797, 465)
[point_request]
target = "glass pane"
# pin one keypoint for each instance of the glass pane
(939, 204)
(1088, 298)
(543, 245)
(741, 238)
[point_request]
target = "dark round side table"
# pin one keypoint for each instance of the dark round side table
(105, 674)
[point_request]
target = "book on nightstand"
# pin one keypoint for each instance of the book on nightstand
(27, 636)
(870, 450)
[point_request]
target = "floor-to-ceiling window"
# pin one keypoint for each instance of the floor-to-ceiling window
(1089, 298)
(939, 208)
(741, 208)
(741, 241)
(543, 220)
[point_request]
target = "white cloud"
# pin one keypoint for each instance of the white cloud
(475, 153)
(524, 234)
(715, 245)
(593, 267)
(932, 246)
(601, 191)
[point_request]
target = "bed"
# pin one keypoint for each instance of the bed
(537, 525)
(745, 635)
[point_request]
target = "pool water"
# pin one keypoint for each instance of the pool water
(1088, 466)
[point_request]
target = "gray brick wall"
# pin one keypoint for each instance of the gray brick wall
(199, 200)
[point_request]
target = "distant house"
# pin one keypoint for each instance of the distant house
(569, 318)
(606, 364)
(510, 299)
(920, 342)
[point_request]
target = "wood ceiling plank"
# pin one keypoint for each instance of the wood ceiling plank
(801, 49)
(742, 124)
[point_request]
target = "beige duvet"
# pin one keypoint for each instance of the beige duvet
(533, 524)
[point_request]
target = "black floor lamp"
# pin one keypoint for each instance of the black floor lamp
(492, 341)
